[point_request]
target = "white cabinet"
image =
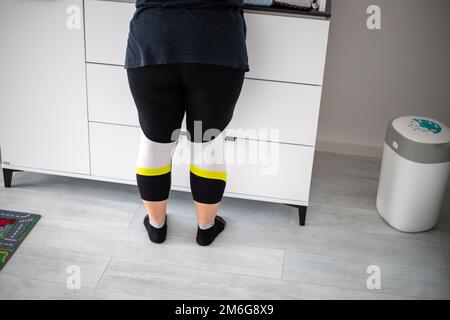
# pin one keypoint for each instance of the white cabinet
(43, 113)
(68, 109)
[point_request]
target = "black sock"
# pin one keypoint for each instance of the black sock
(206, 237)
(156, 235)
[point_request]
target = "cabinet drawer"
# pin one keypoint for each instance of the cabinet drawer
(292, 109)
(107, 25)
(109, 96)
(286, 48)
(255, 168)
(114, 151)
(283, 171)
(283, 48)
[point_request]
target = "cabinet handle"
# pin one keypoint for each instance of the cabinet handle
(229, 138)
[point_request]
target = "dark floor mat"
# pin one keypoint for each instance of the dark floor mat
(14, 227)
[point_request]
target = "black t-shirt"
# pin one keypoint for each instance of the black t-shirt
(183, 31)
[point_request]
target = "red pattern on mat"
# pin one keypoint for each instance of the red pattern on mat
(4, 222)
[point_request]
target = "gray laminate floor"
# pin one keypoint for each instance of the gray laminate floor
(262, 254)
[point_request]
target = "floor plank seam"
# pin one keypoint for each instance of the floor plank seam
(134, 216)
(284, 262)
(444, 255)
(376, 292)
(103, 273)
(261, 277)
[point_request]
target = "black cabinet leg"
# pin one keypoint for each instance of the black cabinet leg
(7, 176)
(301, 213)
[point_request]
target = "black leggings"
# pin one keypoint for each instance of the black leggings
(163, 94)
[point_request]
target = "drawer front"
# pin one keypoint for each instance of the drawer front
(109, 96)
(256, 168)
(282, 48)
(114, 151)
(107, 25)
(290, 109)
(286, 48)
(269, 169)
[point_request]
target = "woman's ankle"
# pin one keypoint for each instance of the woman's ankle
(157, 222)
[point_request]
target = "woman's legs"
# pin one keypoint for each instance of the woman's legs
(153, 176)
(158, 96)
(156, 211)
(162, 94)
(210, 95)
(206, 212)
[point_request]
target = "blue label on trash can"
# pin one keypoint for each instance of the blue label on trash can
(426, 125)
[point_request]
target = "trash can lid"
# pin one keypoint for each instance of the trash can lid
(419, 139)
(422, 129)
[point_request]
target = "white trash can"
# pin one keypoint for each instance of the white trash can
(414, 173)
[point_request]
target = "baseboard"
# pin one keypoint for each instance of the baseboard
(349, 148)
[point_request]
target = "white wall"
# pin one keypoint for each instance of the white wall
(373, 76)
